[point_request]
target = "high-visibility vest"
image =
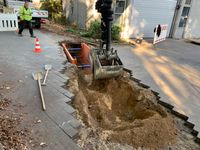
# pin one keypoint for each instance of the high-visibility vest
(25, 14)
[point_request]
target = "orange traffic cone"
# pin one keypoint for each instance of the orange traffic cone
(37, 46)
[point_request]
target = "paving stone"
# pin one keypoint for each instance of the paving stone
(75, 123)
(65, 61)
(134, 79)
(52, 79)
(58, 115)
(194, 133)
(69, 94)
(143, 85)
(58, 94)
(58, 67)
(58, 88)
(55, 77)
(196, 126)
(177, 113)
(66, 99)
(63, 76)
(70, 109)
(197, 140)
(167, 105)
(156, 93)
(63, 91)
(128, 70)
(69, 130)
(64, 106)
(189, 124)
(58, 83)
(58, 118)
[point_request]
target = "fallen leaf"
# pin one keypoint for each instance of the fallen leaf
(43, 144)
(7, 88)
(21, 81)
(39, 121)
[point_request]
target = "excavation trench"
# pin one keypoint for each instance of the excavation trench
(118, 110)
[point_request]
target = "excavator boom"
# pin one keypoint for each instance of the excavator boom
(105, 60)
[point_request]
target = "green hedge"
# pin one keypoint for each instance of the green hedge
(94, 31)
(55, 10)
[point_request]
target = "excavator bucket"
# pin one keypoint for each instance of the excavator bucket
(101, 70)
(105, 61)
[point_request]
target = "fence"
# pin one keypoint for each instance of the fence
(8, 22)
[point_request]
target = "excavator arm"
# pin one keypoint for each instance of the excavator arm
(105, 60)
(5, 3)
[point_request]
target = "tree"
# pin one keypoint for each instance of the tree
(55, 10)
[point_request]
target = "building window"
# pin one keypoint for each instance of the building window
(120, 6)
(183, 22)
(184, 16)
(185, 12)
(188, 2)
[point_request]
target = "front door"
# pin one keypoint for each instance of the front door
(182, 19)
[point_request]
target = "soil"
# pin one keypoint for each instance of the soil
(56, 28)
(119, 114)
(62, 30)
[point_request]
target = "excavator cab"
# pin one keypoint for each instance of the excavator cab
(105, 60)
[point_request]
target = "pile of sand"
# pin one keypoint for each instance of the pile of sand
(119, 111)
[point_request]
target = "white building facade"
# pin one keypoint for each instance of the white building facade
(188, 21)
(140, 17)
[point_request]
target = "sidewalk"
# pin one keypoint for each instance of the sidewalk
(17, 63)
(171, 68)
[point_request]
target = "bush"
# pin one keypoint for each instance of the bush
(116, 30)
(94, 31)
(55, 10)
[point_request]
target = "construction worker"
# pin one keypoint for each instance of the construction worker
(25, 14)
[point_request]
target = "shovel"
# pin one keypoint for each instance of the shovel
(38, 76)
(47, 68)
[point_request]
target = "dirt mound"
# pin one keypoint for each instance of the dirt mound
(120, 111)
